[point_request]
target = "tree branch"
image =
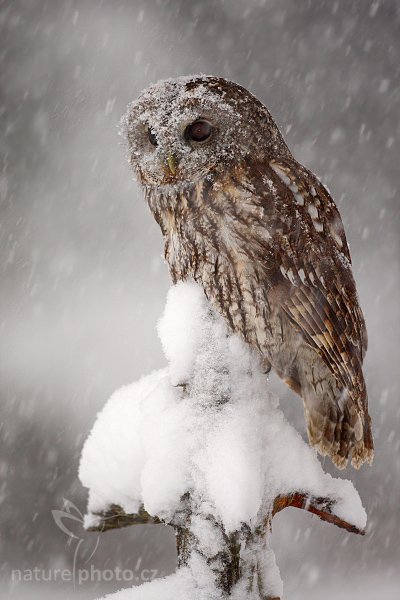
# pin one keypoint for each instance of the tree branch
(116, 518)
(322, 507)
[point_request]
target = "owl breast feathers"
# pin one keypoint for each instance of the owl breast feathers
(262, 235)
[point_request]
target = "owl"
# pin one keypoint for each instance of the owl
(263, 237)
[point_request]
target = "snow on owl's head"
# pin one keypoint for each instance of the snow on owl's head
(179, 130)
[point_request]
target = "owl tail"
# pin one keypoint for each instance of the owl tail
(336, 426)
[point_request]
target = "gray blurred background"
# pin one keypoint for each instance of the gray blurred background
(83, 280)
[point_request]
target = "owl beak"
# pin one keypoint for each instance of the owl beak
(172, 163)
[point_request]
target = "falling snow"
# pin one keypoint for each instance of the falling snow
(83, 277)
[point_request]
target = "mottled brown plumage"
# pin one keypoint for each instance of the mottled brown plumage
(264, 238)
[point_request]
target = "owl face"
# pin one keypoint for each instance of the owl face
(180, 130)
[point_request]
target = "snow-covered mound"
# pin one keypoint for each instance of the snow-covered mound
(206, 423)
(179, 586)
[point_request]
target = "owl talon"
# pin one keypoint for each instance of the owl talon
(181, 385)
(266, 365)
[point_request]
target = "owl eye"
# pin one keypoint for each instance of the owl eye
(198, 131)
(152, 137)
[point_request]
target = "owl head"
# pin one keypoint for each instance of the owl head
(180, 130)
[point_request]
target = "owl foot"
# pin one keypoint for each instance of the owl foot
(266, 365)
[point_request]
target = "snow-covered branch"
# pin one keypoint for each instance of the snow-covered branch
(203, 446)
(115, 517)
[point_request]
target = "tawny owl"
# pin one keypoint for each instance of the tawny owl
(262, 235)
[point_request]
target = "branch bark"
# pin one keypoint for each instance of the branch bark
(116, 518)
(233, 568)
(322, 507)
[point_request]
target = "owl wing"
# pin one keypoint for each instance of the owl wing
(317, 289)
